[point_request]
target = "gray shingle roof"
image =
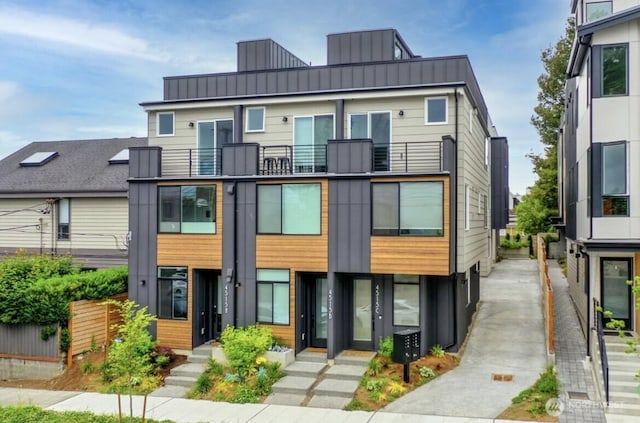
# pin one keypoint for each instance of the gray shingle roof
(82, 166)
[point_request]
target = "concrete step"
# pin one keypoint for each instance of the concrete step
(293, 385)
(623, 386)
(327, 401)
(311, 357)
(189, 369)
(172, 391)
(362, 358)
(185, 381)
(305, 368)
(345, 372)
(630, 366)
(285, 399)
(625, 409)
(621, 356)
(202, 359)
(336, 388)
(202, 350)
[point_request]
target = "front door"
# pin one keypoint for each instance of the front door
(206, 322)
(362, 315)
(313, 316)
(616, 293)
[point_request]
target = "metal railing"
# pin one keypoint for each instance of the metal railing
(604, 360)
(397, 157)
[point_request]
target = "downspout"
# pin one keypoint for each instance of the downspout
(455, 213)
(236, 282)
(587, 278)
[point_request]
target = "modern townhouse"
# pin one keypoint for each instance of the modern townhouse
(599, 145)
(67, 197)
(336, 204)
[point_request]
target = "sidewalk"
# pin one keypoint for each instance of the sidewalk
(507, 338)
(571, 351)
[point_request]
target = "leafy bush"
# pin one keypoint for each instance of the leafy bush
(242, 346)
(386, 347)
(374, 367)
(437, 351)
(38, 289)
(30, 413)
(427, 372)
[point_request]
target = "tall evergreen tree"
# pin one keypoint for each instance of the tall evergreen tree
(548, 113)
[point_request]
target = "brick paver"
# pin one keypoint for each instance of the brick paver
(571, 351)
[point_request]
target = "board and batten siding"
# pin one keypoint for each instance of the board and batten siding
(22, 226)
(298, 253)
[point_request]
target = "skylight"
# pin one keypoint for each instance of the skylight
(121, 157)
(40, 158)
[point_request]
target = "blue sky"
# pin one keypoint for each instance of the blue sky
(77, 69)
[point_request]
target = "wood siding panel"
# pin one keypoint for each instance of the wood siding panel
(176, 333)
(298, 253)
(637, 300)
(414, 255)
(91, 321)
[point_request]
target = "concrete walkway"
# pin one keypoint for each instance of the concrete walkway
(571, 350)
(507, 338)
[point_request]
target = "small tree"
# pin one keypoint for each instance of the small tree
(129, 365)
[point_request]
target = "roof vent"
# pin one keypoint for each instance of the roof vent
(39, 159)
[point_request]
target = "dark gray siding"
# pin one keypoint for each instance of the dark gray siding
(454, 70)
(350, 156)
(144, 162)
(499, 183)
(240, 159)
(25, 341)
(571, 163)
(350, 226)
(246, 252)
(449, 164)
(265, 54)
(365, 46)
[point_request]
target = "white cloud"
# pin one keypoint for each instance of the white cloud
(92, 36)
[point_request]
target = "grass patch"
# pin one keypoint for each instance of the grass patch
(530, 403)
(21, 414)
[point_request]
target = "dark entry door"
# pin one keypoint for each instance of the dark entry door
(312, 318)
(616, 293)
(206, 317)
(361, 314)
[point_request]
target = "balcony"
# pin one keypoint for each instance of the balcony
(396, 158)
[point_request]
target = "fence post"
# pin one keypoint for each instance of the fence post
(70, 328)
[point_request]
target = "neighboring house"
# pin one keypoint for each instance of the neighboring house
(599, 149)
(335, 204)
(67, 197)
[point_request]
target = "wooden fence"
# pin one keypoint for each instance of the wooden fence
(91, 324)
(547, 293)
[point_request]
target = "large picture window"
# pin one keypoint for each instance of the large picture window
(614, 70)
(172, 293)
(408, 208)
(187, 209)
(289, 209)
(273, 296)
(406, 300)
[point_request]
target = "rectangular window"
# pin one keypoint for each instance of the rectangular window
(212, 136)
(407, 208)
(311, 134)
(435, 110)
(187, 209)
(63, 219)
(467, 207)
(406, 300)
(255, 119)
(377, 127)
(615, 198)
(164, 123)
(597, 10)
(273, 296)
(614, 70)
(172, 293)
(289, 209)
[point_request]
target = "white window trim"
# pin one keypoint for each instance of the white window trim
(467, 207)
(246, 119)
(173, 126)
(426, 110)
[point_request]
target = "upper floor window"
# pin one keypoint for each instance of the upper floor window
(614, 70)
(408, 208)
(63, 218)
(615, 198)
(187, 209)
(597, 10)
(435, 110)
(255, 119)
(165, 123)
(289, 209)
(310, 137)
(172, 293)
(397, 52)
(377, 127)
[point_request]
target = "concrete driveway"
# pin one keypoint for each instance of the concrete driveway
(507, 339)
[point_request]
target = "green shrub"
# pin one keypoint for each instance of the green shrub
(203, 383)
(242, 346)
(386, 347)
(48, 331)
(374, 367)
(437, 351)
(427, 372)
(87, 367)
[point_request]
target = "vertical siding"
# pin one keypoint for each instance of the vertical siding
(23, 341)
